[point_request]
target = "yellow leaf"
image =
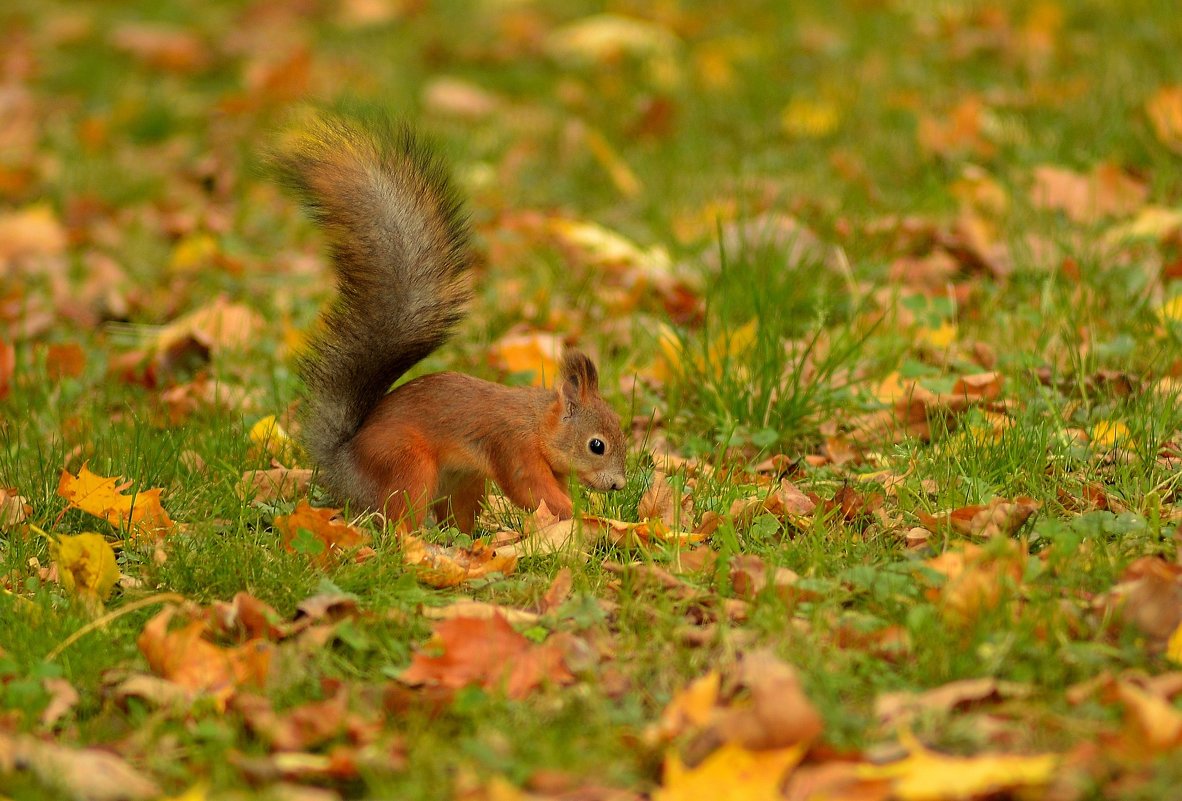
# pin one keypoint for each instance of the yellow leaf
(269, 436)
(929, 776)
(193, 252)
(1171, 310)
(1109, 434)
(85, 564)
(1174, 646)
(440, 567)
(102, 497)
(939, 338)
(731, 773)
(810, 119)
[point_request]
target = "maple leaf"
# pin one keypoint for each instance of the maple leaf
(731, 773)
(330, 534)
(102, 497)
(85, 564)
(488, 653)
(186, 658)
(925, 775)
(438, 566)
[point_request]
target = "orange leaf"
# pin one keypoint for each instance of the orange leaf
(534, 352)
(185, 658)
(102, 497)
(1165, 113)
(325, 525)
(486, 653)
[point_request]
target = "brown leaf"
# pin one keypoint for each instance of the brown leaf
(14, 509)
(660, 501)
(65, 360)
(558, 591)
(900, 708)
(86, 774)
(161, 47)
(62, 698)
(480, 609)
(750, 575)
(976, 578)
(301, 728)
(1107, 191)
(487, 653)
(278, 483)
(7, 367)
(998, 518)
(1149, 596)
(246, 618)
(778, 715)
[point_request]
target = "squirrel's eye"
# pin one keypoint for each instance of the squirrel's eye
(596, 446)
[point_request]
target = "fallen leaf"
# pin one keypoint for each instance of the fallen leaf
(1107, 191)
(277, 483)
(1149, 596)
(440, 566)
(85, 564)
(778, 714)
(14, 509)
(1165, 114)
(268, 436)
(102, 497)
(216, 327)
(602, 39)
(998, 518)
(689, 709)
(7, 367)
(62, 698)
(1153, 724)
(658, 502)
(30, 234)
(487, 653)
(482, 610)
(162, 47)
(925, 775)
(86, 774)
(977, 578)
(731, 773)
(327, 535)
(186, 658)
(534, 353)
(900, 708)
(66, 360)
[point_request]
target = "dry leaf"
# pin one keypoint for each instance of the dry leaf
(162, 47)
(278, 483)
(487, 653)
(535, 353)
(900, 708)
(1165, 113)
(326, 526)
(186, 658)
(976, 578)
(217, 327)
(998, 518)
(1105, 192)
(439, 566)
(62, 698)
(480, 610)
(1149, 596)
(102, 497)
(14, 509)
(86, 774)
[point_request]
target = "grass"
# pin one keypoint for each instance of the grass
(778, 354)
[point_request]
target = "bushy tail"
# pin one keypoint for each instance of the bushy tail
(399, 243)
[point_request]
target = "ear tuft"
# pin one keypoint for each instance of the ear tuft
(577, 376)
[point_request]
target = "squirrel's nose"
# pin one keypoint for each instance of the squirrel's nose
(617, 484)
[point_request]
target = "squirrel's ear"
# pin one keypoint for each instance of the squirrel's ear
(577, 377)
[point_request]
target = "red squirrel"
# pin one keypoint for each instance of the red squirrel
(400, 250)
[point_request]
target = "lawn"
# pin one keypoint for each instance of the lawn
(888, 296)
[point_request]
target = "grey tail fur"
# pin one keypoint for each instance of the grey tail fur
(399, 243)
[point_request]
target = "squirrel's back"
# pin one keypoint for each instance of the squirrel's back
(399, 244)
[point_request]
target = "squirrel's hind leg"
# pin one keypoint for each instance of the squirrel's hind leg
(409, 478)
(462, 503)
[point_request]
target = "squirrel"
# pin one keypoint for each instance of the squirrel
(400, 249)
